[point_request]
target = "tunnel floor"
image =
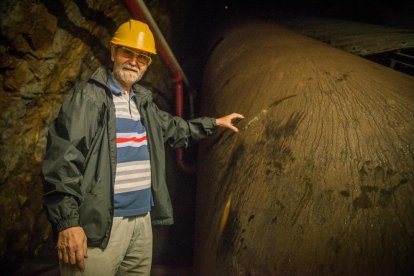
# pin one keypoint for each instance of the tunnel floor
(41, 268)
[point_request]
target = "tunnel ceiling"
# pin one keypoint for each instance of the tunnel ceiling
(375, 29)
(371, 11)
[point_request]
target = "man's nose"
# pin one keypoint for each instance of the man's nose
(134, 61)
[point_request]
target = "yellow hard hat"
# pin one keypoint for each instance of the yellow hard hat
(136, 35)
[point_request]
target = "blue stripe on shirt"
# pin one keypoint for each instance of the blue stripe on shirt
(133, 203)
(128, 154)
(128, 125)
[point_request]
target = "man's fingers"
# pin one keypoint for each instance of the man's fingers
(80, 259)
(81, 265)
(232, 127)
(60, 254)
(72, 255)
(65, 256)
(235, 129)
(72, 246)
(85, 249)
(237, 115)
(234, 119)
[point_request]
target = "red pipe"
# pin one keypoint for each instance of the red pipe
(177, 79)
(176, 74)
(179, 153)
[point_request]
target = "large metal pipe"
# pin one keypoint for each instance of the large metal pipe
(319, 180)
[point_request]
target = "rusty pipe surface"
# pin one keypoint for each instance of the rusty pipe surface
(140, 11)
(320, 175)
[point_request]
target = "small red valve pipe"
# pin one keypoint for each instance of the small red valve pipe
(140, 11)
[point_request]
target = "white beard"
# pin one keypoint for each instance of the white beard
(128, 77)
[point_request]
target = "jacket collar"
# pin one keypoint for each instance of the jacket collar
(115, 87)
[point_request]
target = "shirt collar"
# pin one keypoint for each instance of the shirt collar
(116, 88)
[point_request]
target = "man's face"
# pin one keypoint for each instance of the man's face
(129, 66)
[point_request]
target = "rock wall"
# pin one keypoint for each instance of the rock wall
(46, 46)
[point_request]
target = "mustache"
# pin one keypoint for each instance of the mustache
(131, 67)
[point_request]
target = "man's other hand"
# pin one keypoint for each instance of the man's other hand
(72, 247)
(227, 121)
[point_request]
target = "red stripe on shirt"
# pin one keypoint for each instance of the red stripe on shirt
(131, 139)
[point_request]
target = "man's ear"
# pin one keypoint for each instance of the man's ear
(113, 52)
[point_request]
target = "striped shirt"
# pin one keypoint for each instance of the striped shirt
(132, 190)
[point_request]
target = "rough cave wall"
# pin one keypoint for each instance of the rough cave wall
(46, 46)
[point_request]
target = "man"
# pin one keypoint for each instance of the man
(104, 167)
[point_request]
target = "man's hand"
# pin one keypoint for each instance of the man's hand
(72, 247)
(227, 121)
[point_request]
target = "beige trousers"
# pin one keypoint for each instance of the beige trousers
(129, 251)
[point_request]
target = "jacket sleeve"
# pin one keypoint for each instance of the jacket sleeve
(68, 143)
(178, 132)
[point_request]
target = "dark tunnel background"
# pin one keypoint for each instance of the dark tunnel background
(192, 39)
